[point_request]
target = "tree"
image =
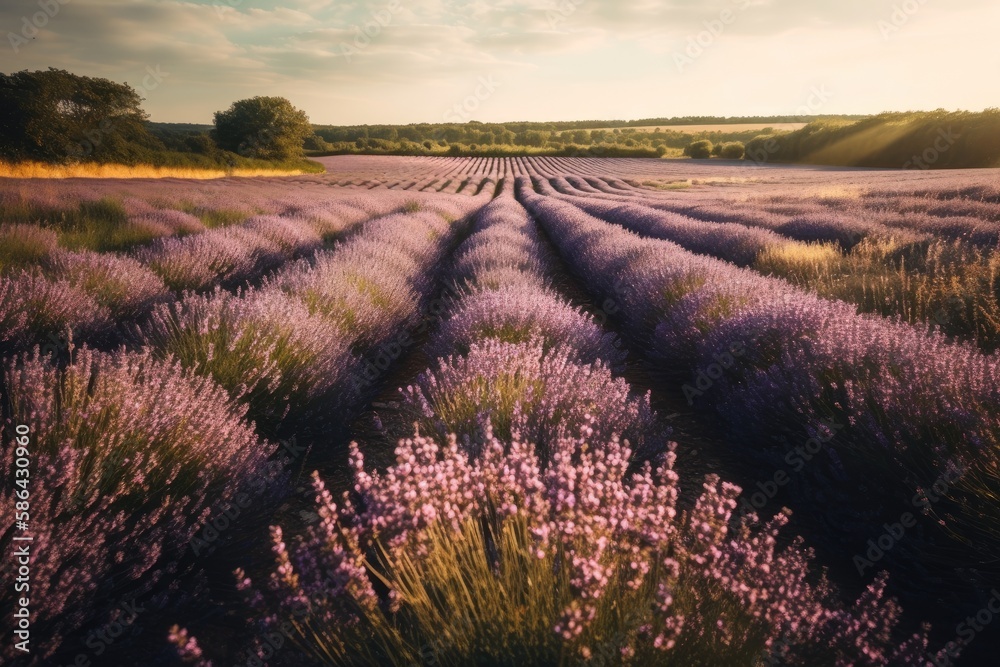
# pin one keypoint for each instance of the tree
(732, 150)
(534, 138)
(200, 143)
(267, 128)
(56, 116)
(699, 150)
(314, 142)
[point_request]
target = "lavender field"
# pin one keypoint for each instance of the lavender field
(503, 411)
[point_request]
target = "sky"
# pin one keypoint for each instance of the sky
(403, 61)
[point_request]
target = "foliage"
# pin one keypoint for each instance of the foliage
(55, 116)
(732, 150)
(699, 150)
(508, 557)
(267, 128)
(911, 140)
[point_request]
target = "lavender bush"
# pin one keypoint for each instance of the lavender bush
(130, 456)
(507, 556)
(527, 392)
(913, 402)
(520, 314)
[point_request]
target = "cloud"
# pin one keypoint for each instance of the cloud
(369, 53)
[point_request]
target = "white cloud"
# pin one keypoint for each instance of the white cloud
(559, 58)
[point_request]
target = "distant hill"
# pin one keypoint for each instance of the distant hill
(908, 140)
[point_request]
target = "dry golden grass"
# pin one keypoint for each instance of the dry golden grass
(946, 283)
(41, 170)
(797, 258)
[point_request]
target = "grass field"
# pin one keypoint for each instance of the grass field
(90, 170)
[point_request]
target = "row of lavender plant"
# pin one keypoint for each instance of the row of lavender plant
(937, 284)
(972, 221)
(147, 447)
(291, 347)
(91, 293)
(573, 532)
(876, 214)
(943, 210)
(559, 362)
(758, 226)
(129, 456)
(908, 405)
(732, 242)
(845, 220)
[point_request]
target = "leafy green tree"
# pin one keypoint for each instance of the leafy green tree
(200, 143)
(267, 128)
(534, 138)
(315, 142)
(732, 150)
(699, 150)
(56, 116)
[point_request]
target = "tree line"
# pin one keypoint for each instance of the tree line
(55, 116)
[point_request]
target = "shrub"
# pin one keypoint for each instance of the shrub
(32, 306)
(518, 314)
(732, 150)
(200, 143)
(699, 150)
(506, 557)
(129, 455)
(315, 142)
(121, 284)
(230, 255)
(527, 391)
(264, 347)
